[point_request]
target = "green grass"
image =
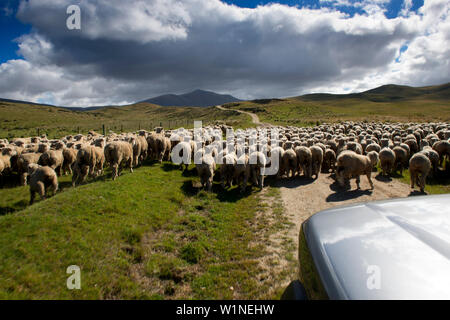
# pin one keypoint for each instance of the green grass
(152, 234)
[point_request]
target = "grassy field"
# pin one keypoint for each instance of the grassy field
(389, 103)
(152, 234)
(23, 120)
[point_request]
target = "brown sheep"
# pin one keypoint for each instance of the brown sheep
(116, 153)
(352, 165)
(23, 162)
(140, 150)
(401, 158)
(443, 148)
(304, 159)
(289, 163)
(70, 156)
(90, 160)
(419, 167)
(329, 160)
(316, 160)
(54, 159)
(42, 179)
(387, 160)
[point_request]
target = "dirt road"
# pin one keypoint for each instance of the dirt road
(255, 118)
(302, 198)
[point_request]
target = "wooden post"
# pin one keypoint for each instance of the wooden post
(38, 132)
(103, 127)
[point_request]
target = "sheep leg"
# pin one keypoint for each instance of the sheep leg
(130, 165)
(412, 174)
(370, 179)
(357, 182)
(115, 170)
(32, 196)
(23, 178)
(41, 189)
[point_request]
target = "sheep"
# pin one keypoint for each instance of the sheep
(183, 150)
(90, 160)
(316, 160)
(116, 153)
(242, 172)
(329, 160)
(373, 156)
(140, 149)
(289, 162)
(158, 145)
(42, 179)
(206, 168)
(419, 167)
(401, 158)
(277, 153)
(258, 161)
(70, 156)
(373, 147)
(387, 160)
(54, 159)
(304, 160)
(434, 158)
(227, 169)
(443, 148)
(23, 162)
(352, 165)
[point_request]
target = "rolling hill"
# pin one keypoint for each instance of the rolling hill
(197, 98)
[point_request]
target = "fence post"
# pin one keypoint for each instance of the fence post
(103, 127)
(38, 132)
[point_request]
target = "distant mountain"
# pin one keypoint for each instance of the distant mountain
(388, 93)
(197, 98)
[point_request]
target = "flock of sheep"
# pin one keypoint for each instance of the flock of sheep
(349, 149)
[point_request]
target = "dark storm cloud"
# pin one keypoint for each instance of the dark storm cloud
(127, 52)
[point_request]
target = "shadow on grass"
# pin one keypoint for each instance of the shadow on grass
(9, 181)
(19, 205)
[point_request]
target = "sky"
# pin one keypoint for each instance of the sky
(127, 51)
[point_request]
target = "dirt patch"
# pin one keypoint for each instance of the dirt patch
(302, 197)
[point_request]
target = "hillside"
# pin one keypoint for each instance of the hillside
(24, 119)
(385, 103)
(388, 93)
(197, 98)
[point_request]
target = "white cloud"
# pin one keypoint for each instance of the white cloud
(127, 51)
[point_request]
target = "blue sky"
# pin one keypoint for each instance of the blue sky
(128, 51)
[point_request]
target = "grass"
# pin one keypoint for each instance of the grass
(387, 103)
(23, 120)
(152, 234)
